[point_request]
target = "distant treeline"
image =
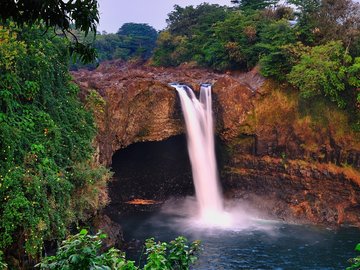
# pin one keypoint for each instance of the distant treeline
(133, 41)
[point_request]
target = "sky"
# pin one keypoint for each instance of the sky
(114, 13)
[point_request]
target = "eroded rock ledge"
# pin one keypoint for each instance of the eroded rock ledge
(287, 162)
(295, 190)
(141, 106)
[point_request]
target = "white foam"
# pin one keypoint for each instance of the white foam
(200, 138)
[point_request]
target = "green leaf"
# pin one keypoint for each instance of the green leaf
(83, 232)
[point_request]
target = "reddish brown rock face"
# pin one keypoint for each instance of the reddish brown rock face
(295, 191)
(267, 131)
(141, 106)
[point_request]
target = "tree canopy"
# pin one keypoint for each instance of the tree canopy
(137, 40)
(56, 14)
(247, 5)
(314, 47)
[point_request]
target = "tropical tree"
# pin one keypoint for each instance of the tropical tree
(137, 40)
(248, 5)
(325, 70)
(192, 20)
(59, 14)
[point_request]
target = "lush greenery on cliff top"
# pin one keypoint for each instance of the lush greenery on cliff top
(313, 45)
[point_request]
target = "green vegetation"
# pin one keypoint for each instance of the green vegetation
(324, 70)
(314, 48)
(222, 38)
(138, 41)
(250, 5)
(133, 41)
(190, 37)
(56, 14)
(175, 255)
(355, 262)
(83, 252)
(48, 179)
(3, 265)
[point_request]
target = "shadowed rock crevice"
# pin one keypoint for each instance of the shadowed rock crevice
(151, 170)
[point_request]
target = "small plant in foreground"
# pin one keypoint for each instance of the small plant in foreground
(174, 255)
(83, 251)
(355, 262)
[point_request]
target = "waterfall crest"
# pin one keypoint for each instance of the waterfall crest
(200, 140)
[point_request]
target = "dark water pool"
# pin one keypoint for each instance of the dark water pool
(260, 244)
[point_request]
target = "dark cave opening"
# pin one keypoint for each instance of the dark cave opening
(151, 170)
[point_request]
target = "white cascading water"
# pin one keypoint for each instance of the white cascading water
(200, 140)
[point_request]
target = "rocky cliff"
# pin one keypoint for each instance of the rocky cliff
(278, 147)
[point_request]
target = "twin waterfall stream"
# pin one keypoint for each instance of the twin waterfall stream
(201, 147)
(234, 234)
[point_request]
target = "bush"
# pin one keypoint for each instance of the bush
(83, 251)
(324, 71)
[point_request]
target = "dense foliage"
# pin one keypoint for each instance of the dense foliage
(249, 5)
(326, 70)
(190, 36)
(137, 40)
(222, 38)
(314, 47)
(47, 177)
(83, 252)
(56, 14)
(133, 41)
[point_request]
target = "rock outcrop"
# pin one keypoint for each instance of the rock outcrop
(278, 148)
(141, 106)
(294, 190)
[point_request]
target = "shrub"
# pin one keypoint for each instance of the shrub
(176, 255)
(83, 251)
(324, 71)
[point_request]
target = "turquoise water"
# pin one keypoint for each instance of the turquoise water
(258, 244)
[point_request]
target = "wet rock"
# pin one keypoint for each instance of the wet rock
(112, 229)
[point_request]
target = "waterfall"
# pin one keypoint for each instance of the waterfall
(200, 140)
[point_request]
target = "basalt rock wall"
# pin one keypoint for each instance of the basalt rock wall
(141, 106)
(278, 149)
